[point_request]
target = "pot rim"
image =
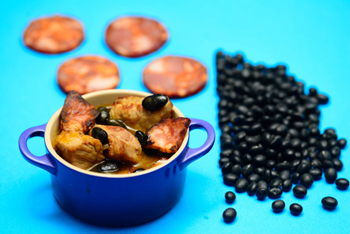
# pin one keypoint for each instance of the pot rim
(92, 95)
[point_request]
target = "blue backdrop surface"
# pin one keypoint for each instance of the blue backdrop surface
(310, 37)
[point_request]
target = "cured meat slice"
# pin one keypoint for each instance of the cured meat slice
(77, 114)
(132, 113)
(167, 135)
(87, 74)
(81, 150)
(175, 76)
(123, 146)
(135, 36)
(53, 35)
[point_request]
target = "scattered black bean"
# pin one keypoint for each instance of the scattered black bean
(229, 215)
(295, 177)
(295, 209)
(274, 193)
(341, 143)
(285, 175)
(307, 180)
(230, 197)
(337, 164)
(299, 191)
(329, 203)
(316, 173)
(230, 179)
(241, 185)
(331, 175)
(278, 206)
(342, 183)
(154, 102)
(261, 193)
(100, 134)
(141, 137)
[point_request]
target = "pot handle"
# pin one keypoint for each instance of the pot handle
(44, 161)
(193, 154)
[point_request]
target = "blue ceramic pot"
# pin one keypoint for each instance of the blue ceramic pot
(115, 200)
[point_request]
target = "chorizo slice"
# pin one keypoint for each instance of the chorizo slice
(174, 76)
(167, 135)
(132, 113)
(123, 146)
(87, 74)
(53, 35)
(81, 150)
(77, 114)
(135, 36)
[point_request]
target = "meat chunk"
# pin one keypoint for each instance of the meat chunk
(77, 114)
(81, 150)
(167, 135)
(132, 113)
(123, 146)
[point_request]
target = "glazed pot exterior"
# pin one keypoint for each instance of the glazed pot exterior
(119, 202)
(115, 200)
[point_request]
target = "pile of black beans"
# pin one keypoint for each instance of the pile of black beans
(270, 136)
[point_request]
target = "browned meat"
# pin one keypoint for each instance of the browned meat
(167, 135)
(77, 114)
(78, 149)
(132, 113)
(123, 146)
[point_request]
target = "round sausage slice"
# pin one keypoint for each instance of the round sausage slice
(135, 36)
(53, 35)
(87, 74)
(175, 76)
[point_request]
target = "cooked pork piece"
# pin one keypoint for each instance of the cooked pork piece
(78, 149)
(167, 135)
(132, 113)
(77, 114)
(123, 146)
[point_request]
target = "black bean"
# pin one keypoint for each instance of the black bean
(322, 145)
(316, 173)
(223, 161)
(261, 193)
(299, 191)
(303, 167)
(270, 153)
(114, 122)
(327, 164)
(252, 140)
(270, 164)
(283, 166)
(247, 159)
(230, 197)
(342, 183)
(104, 115)
(256, 149)
(295, 209)
(322, 99)
(341, 143)
(315, 163)
(274, 174)
(331, 175)
(230, 179)
(254, 178)
(295, 177)
(154, 102)
(237, 160)
(259, 160)
(285, 175)
(259, 170)
(239, 137)
(226, 153)
(307, 180)
(108, 166)
(236, 169)
(247, 170)
(99, 133)
(324, 155)
(241, 185)
(294, 165)
(329, 203)
(275, 183)
(274, 193)
(337, 164)
(287, 185)
(335, 151)
(295, 144)
(226, 168)
(138, 170)
(276, 142)
(252, 187)
(278, 206)
(141, 137)
(229, 215)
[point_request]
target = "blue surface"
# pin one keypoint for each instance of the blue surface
(311, 37)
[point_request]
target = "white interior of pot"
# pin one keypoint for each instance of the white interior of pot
(97, 99)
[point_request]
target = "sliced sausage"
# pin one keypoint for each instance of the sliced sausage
(87, 74)
(175, 76)
(77, 114)
(167, 135)
(53, 35)
(135, 36)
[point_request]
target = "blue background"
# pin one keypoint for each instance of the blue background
(311, 37)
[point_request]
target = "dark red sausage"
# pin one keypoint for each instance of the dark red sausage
(135, 36)
(175, 76)
(87, 74)
(53, 35)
